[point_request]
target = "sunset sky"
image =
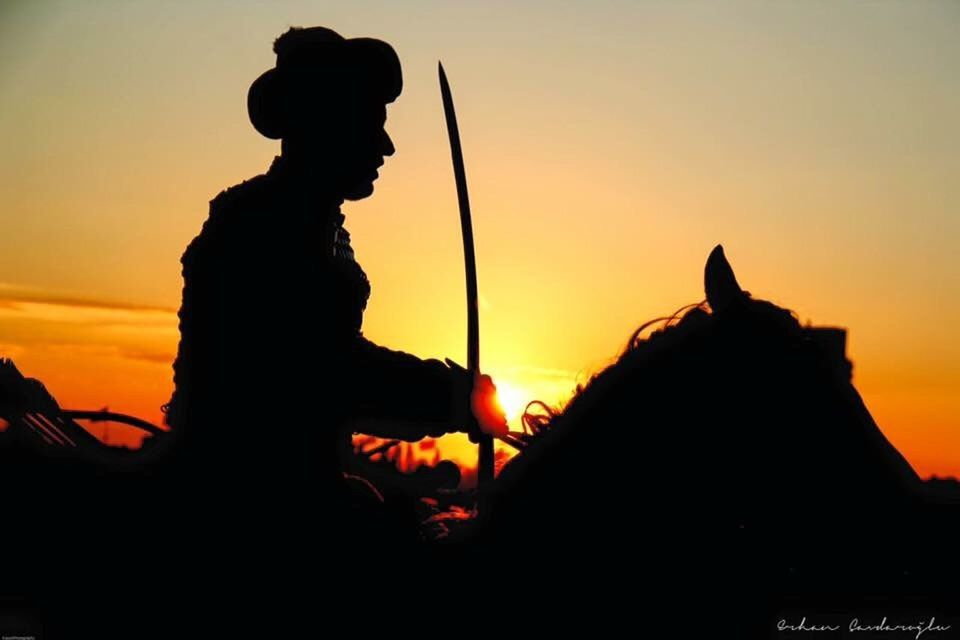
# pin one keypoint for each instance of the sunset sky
(609, 147)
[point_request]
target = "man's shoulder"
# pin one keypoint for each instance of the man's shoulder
(247, 196)
(235, 213)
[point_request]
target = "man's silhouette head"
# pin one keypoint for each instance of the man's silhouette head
(326, 100)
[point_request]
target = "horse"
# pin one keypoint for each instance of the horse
(726, 445)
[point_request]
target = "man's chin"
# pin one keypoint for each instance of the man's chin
(359, 192)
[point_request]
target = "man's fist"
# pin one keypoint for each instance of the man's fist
(486, 407)
(488, 416)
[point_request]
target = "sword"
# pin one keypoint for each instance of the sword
(485, 445)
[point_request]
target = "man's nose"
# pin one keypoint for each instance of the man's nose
(387, 147)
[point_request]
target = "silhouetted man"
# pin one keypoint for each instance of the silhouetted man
(272, 369)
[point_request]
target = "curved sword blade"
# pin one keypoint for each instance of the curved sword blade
(485, 462)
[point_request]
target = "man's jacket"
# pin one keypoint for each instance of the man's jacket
(272, 365)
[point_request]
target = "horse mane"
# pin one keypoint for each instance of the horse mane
(655, 336)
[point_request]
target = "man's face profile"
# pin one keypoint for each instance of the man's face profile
(370, 143)
(345, 137)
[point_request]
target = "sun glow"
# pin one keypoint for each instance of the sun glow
(513, 400)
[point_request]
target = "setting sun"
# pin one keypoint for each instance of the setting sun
(513, 400)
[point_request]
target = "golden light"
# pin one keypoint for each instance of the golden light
(513, 400)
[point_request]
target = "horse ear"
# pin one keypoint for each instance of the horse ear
(720, 282)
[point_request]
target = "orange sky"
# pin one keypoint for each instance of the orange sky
(609, 146)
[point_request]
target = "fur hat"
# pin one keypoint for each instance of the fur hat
(316, 61)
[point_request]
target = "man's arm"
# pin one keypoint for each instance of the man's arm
(394, 394)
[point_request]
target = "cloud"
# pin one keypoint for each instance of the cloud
(11, 294)
(156, 357)
(35, 321)
(544, 372)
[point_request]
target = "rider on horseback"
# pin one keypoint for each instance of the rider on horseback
(273, 297)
